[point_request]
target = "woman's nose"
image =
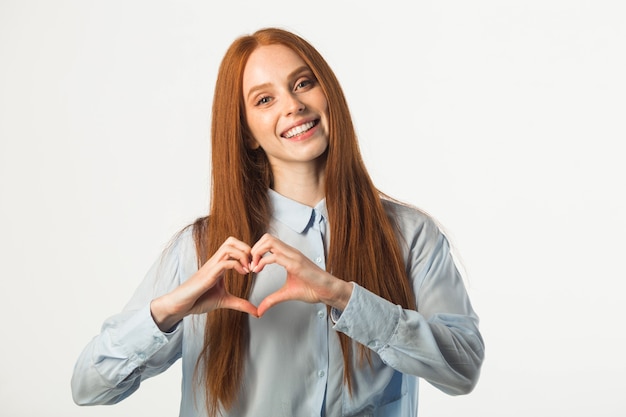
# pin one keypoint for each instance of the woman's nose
(294, 105)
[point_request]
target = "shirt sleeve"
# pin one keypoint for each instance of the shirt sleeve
(439, 342)
(130, 347)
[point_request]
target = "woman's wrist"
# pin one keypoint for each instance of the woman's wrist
(162, 318)
(340, 294)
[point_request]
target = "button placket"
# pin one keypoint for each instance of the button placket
(319, 257)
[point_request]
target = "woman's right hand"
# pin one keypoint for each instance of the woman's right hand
(204, 291)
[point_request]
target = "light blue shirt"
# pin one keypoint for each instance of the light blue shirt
(295, 365)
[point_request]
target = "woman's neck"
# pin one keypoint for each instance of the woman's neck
(305, 186)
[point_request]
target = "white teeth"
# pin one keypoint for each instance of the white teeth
(299, 129)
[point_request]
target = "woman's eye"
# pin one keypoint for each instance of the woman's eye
(263, 100)
(303, 84)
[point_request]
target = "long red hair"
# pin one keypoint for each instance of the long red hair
(363, 241)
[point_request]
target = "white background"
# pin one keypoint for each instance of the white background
(503, 119)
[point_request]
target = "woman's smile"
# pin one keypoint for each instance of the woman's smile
(302, 131)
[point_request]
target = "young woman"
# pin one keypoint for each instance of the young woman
(305, 291)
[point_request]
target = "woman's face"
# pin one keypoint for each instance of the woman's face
(286, 109)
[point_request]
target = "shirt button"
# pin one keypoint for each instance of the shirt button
(321, 314)
(321, 374)
(318, 259)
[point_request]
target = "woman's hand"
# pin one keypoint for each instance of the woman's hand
(305, 281)
(204, 291)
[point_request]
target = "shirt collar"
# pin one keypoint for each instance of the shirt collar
(296, 216)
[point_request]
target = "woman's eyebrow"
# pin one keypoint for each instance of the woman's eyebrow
(293, 73)
(257, 88)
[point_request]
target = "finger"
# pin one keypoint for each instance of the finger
(267, 243)
(269, 250)
(241, 255)
(232, 244)
(260, 248)
(263, 240)
(211, 273)
(291, 260)
(235, 303)
(233, 241)
(236, 265)
(271, 300)
(257, 266)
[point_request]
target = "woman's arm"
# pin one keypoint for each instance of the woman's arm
(145, 339)
(439, 342)
(130, 347)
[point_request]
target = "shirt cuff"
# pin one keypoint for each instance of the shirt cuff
(141, 337)
(335, 314)
(369, 319)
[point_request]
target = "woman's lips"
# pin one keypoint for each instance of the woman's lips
(300, 129)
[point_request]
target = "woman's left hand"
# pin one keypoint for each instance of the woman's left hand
(305, 281)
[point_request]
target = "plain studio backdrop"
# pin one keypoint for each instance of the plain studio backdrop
(503, 119)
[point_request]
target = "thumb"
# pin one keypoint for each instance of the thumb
(271, 300)
(239, 304)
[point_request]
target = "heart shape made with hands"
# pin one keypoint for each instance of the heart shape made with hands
(205, 291)
(305, 280)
